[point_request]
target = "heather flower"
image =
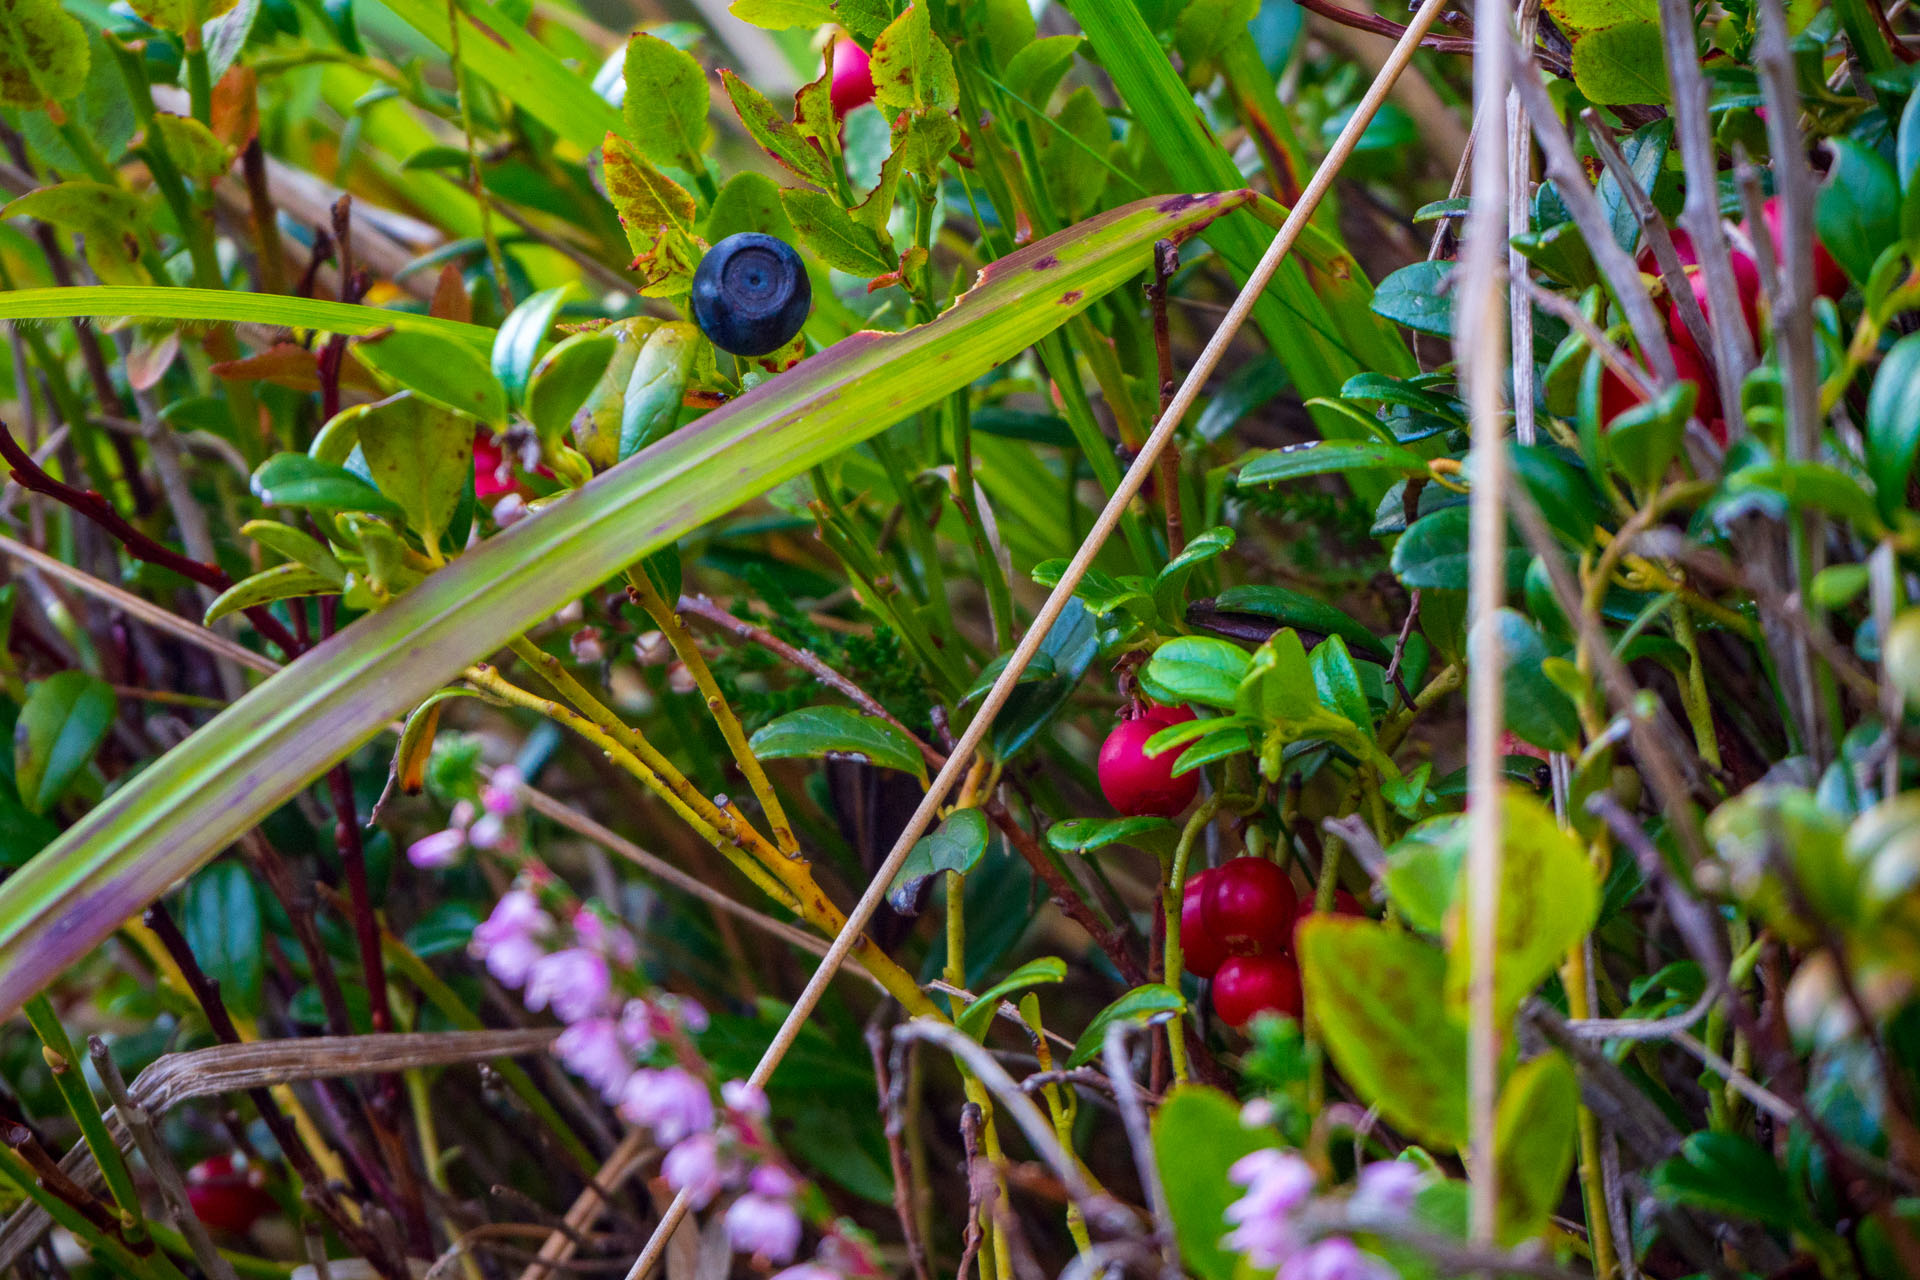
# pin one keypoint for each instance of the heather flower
(693, 1166)
(690, 1013)
(573, 981)
(441, 849)
(765, 1226)
(1335, 1258)
(587, 646)
(808, 1271)
(592, 1050)
(745, 1097)
(506, 939)
(509, 510)
(1278, 1183)
(1385, 1190)
(637, 1026)
(490, 832)
(592, 929)
(502, 795)
(670, 1102)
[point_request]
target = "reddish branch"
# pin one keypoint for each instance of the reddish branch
(1394, 30)
(138, 544)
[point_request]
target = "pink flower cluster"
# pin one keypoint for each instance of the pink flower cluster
(487, 827)
(1268, 1220)
(638, 1052)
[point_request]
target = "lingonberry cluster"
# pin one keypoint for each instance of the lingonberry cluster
(1237, 926)
(1617, 395)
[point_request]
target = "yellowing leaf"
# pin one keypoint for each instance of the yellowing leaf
(646, 200)
(911, 67)
(1533, 1143)
(43, 53)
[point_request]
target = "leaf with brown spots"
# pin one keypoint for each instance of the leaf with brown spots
(43, 53)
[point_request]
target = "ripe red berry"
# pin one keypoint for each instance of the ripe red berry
(1829, 281)
(488, 481)
(1200, 950)
(1746, 277)
(1344, 904)
(1137, 784)
(852, 76)
(1250, 985)
(1617, 396)
(1249, 907)
(225, 1197)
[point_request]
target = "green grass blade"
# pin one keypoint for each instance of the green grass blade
(147, 302)
(501, 52)
(1320, 348)
(210, 789)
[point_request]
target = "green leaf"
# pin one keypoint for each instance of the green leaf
(179, 16)
(666, 103)
(1150, 1003)
(1331, 457)
(1036, 70)
(1581, 16)
(1171, 582)
(1070, 647)
(1856, 212)
(650, 205)
(911, 67)
(220, 916)
(1205, 27)
(65, 719)
(781, 15)
(295, 480)
(818, 732)
(1420, 297)
(656, 386)
(1292, 609)
(1088, 835)
(226, 35)
(774, 132)
(563, 380)
(978, 1016)
(1536, 709)
(1377, 996)
(749, 202)
(1338, 683)
(1197, 1136)
(1196, 669)
(1893, 423)
(1726, 1173)
(43, 53)
(1534, 1135)
(833, 235)
(1549, 899)
(519, 339)
(1561, 490)
(1644, 440)
(1279, 686)
(1072, 151)
(1424, 869)
(107, 217)
(1041, 668)
(281, 582)
(1433, 553)
(420, 455)
(1801, 485)
(1622, 65)
(447, 373)
(194, 148)
(296, 545)
(923, 140)
(165, 821)
(955, 845)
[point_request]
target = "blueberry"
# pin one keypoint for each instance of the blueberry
(751, 294)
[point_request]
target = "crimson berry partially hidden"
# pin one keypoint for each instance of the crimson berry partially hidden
(1617, 395)
(224, 1197)
(1249, 907)
(1201, 950)
(1344, 904)
(1140, 785)
(852, 77)
(1247, 986)
(1829, 281)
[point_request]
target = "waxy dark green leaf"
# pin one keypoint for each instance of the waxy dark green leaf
(819, 732)
(65, 719)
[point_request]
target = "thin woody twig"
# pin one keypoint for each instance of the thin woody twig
(891, 1088)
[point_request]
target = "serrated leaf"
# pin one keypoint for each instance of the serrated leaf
(179, 16)
(774, 132)
(1073, 149)
(1036, 70)
(832, 234)
(783, 15)
(43, 53)
(748, 202)
(820, 732)
(108, 218)
(281, 582)
(63, 722)
(1142, 1004)
(648, 203)
(924, 138)
(1377, 995)
(195, 150)
(666, 103)
(911, 67)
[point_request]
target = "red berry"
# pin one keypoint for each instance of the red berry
(1250, 985)
(1137, 784)
(1617, 396)
(1344, 904)
(1200, 950)
(487, 471)
(1249, 907)
(1829, 281)
(852, 76)
(225, 1197)
(1746, 276)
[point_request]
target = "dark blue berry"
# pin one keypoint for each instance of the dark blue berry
(751, 294)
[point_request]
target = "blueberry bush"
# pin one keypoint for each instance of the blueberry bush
(856, 638)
